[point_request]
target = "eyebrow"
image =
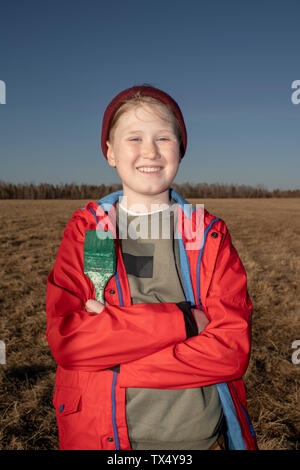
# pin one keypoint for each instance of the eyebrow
(139, 130)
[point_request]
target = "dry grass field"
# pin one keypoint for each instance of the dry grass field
(266, 233)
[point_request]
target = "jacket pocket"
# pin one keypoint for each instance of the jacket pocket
(67, 403)
(66, 400)
(78, 422)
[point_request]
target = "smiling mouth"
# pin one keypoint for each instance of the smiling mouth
(149, 169)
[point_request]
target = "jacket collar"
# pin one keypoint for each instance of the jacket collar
(110, 200)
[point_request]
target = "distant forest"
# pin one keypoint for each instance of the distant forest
(93, 192)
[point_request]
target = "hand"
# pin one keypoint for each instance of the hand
(200, 318)
(94, 306)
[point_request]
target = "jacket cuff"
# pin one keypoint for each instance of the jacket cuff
(190, 323)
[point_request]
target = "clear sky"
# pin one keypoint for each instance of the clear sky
(228, 63)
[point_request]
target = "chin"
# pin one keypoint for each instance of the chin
(153, 191)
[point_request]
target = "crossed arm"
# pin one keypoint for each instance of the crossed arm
(200, 318)
(82, 340)
(148, 340)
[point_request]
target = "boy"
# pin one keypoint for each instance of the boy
(151, 333)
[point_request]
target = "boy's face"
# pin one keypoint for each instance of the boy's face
(145, 151)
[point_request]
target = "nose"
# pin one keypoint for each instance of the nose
(150, 150)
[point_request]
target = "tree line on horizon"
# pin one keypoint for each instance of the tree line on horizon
(94, 192)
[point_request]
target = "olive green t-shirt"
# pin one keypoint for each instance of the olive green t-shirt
(160, 418)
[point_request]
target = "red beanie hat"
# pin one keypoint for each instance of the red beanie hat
(144, 90)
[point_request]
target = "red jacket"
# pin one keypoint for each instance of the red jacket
(147, 341)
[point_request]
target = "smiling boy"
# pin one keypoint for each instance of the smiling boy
(144, 147)
(157, 362)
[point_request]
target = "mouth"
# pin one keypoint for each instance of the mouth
(149, 169)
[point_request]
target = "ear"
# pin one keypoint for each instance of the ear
(110, 154)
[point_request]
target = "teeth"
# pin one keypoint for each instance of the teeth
(148, 169)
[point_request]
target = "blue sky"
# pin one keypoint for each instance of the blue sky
(229, 65)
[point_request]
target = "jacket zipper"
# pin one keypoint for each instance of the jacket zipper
(113, 391)
(113, 398)
(251, 429)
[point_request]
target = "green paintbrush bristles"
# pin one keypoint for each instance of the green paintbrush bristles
(99, 259)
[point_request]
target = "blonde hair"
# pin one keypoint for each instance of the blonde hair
(139, 100)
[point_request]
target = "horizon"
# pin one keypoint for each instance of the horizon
(217, 183)
(225, 188)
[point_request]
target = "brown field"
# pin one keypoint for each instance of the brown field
(266, 233)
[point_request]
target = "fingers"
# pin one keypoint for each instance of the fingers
(201, 319)
(94, 306)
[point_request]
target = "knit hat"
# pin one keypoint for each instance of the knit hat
(144, 90)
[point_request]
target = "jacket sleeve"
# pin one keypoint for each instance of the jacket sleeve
(219, 353)
(81, 340)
